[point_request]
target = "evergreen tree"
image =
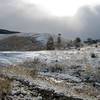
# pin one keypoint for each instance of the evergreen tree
(59, 41)
(50, 43)
(77, 42)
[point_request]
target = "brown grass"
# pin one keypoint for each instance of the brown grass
(20, 71)
(5, 85)
(87, 90)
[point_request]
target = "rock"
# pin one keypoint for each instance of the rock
(22, 90)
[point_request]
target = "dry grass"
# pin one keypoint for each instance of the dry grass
(5, 86)
(87, 90)
(20, 71)
(31, 63)
(26, 69)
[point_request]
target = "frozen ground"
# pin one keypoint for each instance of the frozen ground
(67, 57)
(68, 81)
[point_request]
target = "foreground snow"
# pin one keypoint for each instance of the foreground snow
(68, 81)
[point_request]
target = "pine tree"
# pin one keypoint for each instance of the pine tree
(59, 41)
(50, 43)
(77, 42)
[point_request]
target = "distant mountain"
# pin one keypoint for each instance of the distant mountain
(3, 31)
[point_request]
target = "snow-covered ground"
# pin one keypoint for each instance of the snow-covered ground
(71, 61)
(67, 57)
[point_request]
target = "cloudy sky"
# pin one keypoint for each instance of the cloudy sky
(69, 17)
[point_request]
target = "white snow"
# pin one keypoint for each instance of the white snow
(61, 77)
(66, 57)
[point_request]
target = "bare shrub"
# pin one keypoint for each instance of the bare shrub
(87, 90)
(5, 86)
(88, 72)
(97, 74)
(20, 71)
(33, 73)
(31, 66)
(30, 63)
(93, 55)
(36, 60)
(57, 68)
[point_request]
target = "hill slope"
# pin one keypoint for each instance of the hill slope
(23, 42)
(19, 43)
(3, 31)
(11, 41)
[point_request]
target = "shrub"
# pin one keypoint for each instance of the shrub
(97, 74)
(88, 72)
(57, 68)
(36, 60)
(30, 63)
(87, 90)
(93, 55)
(33, 73)
(31, 67)
(5, 86)
(21, 71)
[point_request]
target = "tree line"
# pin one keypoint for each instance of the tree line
(76, 43)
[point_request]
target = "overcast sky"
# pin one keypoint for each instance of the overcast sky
(72, 18)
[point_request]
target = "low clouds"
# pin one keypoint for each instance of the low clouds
(16, 15)
(90, 21)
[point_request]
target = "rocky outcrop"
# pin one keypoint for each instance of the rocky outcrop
(22, 89)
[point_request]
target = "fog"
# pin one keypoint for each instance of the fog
(16, 15)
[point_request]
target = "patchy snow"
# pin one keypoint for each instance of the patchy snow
(67, 57)
(62, 77)
(64, 82)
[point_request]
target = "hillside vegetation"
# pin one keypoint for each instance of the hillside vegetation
(19, 43)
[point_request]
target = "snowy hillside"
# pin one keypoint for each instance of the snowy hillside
(23, 41)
